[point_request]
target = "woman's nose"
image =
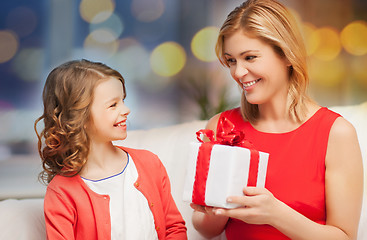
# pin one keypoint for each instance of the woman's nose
(240, 71)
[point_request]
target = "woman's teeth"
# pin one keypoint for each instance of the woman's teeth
(249, 84)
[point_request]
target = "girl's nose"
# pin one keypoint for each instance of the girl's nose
(125, 110)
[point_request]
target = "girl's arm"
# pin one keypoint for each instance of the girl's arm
(344, 191)
(203, 218)
(59, 216)
(175, 225)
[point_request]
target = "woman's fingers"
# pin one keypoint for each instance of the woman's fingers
(203, 209)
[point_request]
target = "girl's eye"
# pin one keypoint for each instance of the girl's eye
(114, 105)
(249, 58)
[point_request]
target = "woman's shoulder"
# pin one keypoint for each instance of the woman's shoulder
(342, 128)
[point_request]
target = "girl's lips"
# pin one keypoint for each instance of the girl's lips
(120, 124)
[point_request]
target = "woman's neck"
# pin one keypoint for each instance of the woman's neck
(275, 117)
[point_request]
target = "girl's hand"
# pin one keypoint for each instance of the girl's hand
(258, 206)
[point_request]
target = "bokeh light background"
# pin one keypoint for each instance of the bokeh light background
(164, 49)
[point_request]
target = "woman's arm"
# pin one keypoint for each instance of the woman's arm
(344, 178)
(203, 218)
(344, 191)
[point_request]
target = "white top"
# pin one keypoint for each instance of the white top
(131, 217)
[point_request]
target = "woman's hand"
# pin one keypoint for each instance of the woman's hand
(258, 206)
(206, 222)
(203, 209)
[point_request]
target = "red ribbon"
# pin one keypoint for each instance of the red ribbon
(226, 135)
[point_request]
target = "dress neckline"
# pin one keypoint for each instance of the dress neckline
(294, 130)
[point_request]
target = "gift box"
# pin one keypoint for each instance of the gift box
(217, 169)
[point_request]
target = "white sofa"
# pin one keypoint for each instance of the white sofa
(23, 218)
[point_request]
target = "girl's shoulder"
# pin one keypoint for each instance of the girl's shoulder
(60, 179)
(65, 185)
(142, 156)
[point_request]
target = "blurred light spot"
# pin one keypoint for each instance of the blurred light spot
(132, 60)
(329, 46)
(203, 44)
(327, 73)
(101, 43)
(103, 35)
(96, 11)
(8, 45)
(147, 10)
(127, 42)
(28, 64)
(354, 38)
(113, 24)
(358, 69)
(22, 20)
(168, 59)
(312, 40)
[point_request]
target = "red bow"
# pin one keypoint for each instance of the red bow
(226, 135)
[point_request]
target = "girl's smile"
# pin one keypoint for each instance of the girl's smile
(121, 124)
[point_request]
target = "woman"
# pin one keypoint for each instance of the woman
(314, 181)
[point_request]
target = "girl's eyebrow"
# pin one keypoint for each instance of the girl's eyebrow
(112, 100)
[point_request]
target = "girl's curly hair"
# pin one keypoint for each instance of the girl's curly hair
(63, 144)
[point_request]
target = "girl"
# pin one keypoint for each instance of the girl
(314, 179)
(95, 189)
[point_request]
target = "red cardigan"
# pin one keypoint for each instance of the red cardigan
(73, 211)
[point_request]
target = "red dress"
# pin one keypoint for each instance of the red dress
(296, 170)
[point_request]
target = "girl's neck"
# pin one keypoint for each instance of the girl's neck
(99, 153)
(104, 160)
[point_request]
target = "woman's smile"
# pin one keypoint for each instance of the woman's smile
(248, 85)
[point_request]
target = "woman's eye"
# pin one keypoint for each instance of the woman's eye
(114, 105)
(230, 61)
(249, 58)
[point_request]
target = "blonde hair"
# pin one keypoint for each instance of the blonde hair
(272, 23)
(63, 144)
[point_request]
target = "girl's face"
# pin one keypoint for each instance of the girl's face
(108, 112)
(257, 68)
